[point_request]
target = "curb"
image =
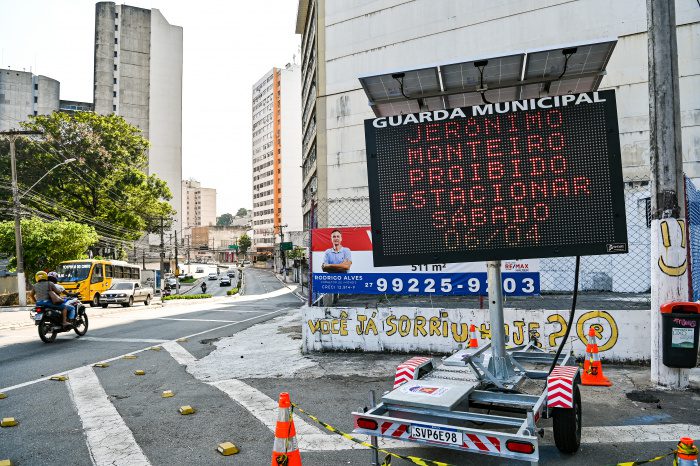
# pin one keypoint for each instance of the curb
(294, 292)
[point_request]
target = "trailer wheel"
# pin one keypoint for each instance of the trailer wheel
(567, 425)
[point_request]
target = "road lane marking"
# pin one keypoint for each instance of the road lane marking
(108, 439)
(42, 379)
(180, 354)
(121, 340)
(196, 320)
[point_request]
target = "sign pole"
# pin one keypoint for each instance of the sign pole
(500, 361)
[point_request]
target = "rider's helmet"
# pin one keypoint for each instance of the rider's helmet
(53, 277)
(41, 275)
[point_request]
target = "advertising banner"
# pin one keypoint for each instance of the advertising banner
(343, 263)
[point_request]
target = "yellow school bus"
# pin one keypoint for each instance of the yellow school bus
(90, 278)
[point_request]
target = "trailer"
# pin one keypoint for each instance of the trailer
(486, 400)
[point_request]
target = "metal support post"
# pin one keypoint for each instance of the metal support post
(372, 438)
(162, 255)
(177, 268)
(21, 281)
(501, 365)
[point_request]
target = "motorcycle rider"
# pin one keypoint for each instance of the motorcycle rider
(204, 287)
(40, 293)
(53, 278)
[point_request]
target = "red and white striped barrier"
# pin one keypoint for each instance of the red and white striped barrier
(482, 443)
(560, 387)
(408, 370)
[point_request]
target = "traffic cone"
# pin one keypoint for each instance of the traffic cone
(473, 342)
(285, 451)
(686, 453)
(592, 368)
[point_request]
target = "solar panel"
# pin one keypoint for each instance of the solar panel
(466, 77)
(456, 84)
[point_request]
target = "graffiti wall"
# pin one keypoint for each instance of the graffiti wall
(622, 335)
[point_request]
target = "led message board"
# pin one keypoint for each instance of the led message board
(533, 178)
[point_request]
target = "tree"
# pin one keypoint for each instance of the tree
(242, 212)
(107, 186)
(225, 220)
(46, 244)
(244, 243)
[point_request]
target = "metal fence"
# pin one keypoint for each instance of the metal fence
(693, 214)
(620, 281)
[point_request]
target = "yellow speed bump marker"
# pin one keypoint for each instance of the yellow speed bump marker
(2, 397)
(181, 340)
(129, 356)
(60, 378)
(140, 372)
(8, 422)
(186, 410)
(155, 348)
(5, 463)
(227, 448)
(101, 364)
(168, 394)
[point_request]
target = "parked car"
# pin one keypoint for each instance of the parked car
(225, 281)
(213, 276)
(126, 294)
(171, 282)
(245, 263)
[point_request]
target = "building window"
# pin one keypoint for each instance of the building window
(115, 54)
(114, 108)
(116, 14)
(35, 113)
(115, 80)
(115, 67)
(36, 86)
(116, 27)
(115, 93)
(116, 41)
(36, 99)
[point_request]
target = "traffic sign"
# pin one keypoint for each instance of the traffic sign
(286, 246)
(534, 178)
(233, 246)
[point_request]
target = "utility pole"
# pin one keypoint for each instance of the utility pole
(19, 250)
(177, 268)
(188, 256)
(162, 255)
(283, 255)
(669, 281)
(144, 259)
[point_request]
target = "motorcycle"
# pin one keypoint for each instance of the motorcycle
(49, 319)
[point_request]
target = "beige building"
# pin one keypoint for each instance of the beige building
(218, 242)
(198, 206)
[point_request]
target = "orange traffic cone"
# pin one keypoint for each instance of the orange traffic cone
(473, 342)
(686, 453)
(592, 368)
(285, 452)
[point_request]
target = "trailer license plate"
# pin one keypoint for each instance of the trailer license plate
(433, 434)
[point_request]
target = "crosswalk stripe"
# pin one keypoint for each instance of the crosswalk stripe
(180, 354)
(109, 440)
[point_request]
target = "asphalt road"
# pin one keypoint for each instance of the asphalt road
(112, 416)
(49, 411)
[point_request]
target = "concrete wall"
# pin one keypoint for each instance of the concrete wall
(104, 74)
(364, 37)
(622, 335)
(290, 115)
(134, 67)
(165, 108)
(47, 95)
(18, 91)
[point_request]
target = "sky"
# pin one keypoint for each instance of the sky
(228, 46)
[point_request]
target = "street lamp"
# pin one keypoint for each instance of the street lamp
(16, 196)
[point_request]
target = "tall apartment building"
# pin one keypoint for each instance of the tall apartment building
(23, 94)
(198, 205)
(138, 75)
(276, 156)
